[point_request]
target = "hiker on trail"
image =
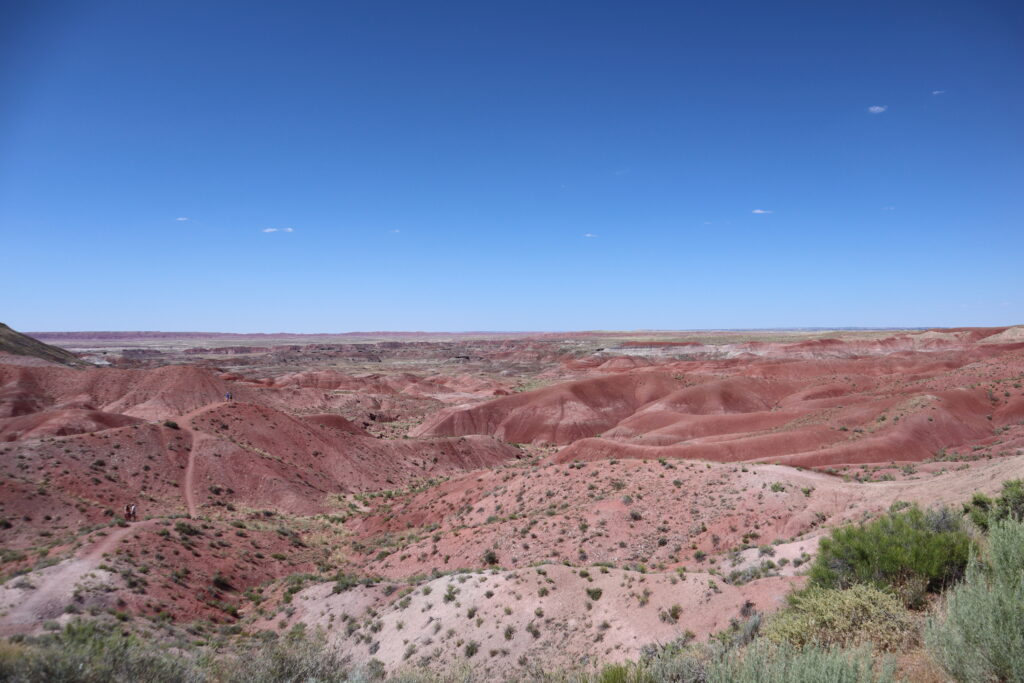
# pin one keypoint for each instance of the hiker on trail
(227, 396)
(127, 511)
(132, 512)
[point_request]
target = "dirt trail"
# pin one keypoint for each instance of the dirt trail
(55, 585)
(190, 497)
(185, 426)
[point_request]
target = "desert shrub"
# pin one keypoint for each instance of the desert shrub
(979, 636)
(186, 529)
(854, 616)
(910, 551)
(88, 653)
(344, 582)
(760, 662)
(676, 661)
(1008, 505)
(765, 663)
(739, 633)
(292, 658)
(614, 673)
(221, 582)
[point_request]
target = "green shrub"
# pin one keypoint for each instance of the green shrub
(292, 658)
(614, 673)
(979, 636)
(765, 663)
(186, 529)
(87, 653)
(911, 551)
(674, 661)
(854, 616)
(758, 663)
(1009, 505)
(221, 582)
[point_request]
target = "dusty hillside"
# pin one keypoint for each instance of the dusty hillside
(487, 501)
(17, 344)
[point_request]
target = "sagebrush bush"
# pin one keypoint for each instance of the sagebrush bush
(683, 668)
(979, 636)
(910, 551)
(305, 659)
(87, 653)
(853, 616)
(760, 662)
(1008, 505)
(765, 663)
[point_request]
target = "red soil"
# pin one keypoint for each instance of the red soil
(559, 414)
(314, 470)
(854, 407)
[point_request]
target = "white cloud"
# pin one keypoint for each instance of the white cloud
(269, 229)
(183, 218)
(878, 108)
(938, 92)
(288, 229)
(762, 211)
(278, 230)
(589, 234)
(394, 232)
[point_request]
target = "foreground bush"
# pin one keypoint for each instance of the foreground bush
(911, 551)
(980, 636)
(764, 663)
(89, 653)
(85, 653)
(1008, 505)
(759, 662)
(858, 615)
(308, 660)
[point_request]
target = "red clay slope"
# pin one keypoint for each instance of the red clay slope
(149, 394)
(860, 402)
(558, 414)
(257, 456)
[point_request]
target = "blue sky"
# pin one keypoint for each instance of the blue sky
(510, 165)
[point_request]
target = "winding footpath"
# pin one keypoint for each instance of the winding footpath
(185, 425)
(55, 586)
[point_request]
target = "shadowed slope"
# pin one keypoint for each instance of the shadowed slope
(19, 344)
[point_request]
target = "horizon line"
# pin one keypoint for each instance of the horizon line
(807, 328)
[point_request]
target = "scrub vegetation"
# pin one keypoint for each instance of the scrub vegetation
(935, 581)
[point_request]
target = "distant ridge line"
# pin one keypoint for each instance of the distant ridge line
(153, 334)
